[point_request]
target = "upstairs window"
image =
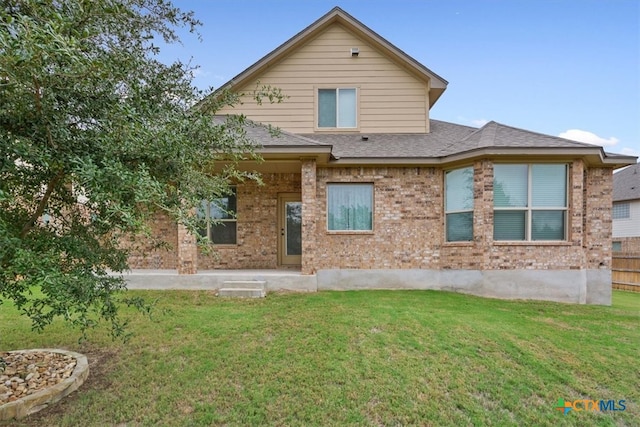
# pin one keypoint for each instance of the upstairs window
(220, 217)
(530, 202)
(337, 108)
(458, 204)
(621, 211)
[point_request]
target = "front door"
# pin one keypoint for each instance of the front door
(289, 229)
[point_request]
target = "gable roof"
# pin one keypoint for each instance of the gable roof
(626, 183)
(337, 15)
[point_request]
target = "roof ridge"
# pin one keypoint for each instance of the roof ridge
(488, 134)
(581, 144)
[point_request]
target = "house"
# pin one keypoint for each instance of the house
(626, 210)
(364, 190)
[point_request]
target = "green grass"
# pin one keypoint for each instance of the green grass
(350, 358)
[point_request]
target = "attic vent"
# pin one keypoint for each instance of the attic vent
(355, 51)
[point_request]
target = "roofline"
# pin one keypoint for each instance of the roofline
(596, 155)
(295, 149)
(437, 83)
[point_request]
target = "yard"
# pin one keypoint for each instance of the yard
(350, 358)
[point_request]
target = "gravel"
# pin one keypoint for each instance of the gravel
(29, 372)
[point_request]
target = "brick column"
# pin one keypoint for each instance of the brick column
(598, 189)
(187, 251)
(576, 203)
(308, 187)
(483, 209)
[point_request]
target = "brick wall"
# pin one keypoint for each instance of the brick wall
(158, 252)
(598, 189)
(257, 231)
(407, 220)
(630, 245)
(408, 225)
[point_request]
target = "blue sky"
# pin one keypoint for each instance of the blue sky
(559, 67)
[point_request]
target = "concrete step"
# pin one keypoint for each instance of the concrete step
(241, 293)
(243, 289)
(245, 284)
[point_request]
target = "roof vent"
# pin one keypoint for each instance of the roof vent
(355, 51)
(365, 138)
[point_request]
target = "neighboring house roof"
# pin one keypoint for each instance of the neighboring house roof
(437, 84)
(626, 184)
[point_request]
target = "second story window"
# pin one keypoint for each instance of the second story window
(337, 108)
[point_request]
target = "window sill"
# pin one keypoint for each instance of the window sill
(532, 243)
(337, 130)
(223, 245)
(349, 232)
(461, 243)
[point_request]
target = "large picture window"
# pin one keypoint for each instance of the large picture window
(337, 108)
(350, 207)
(459, 204)
(220, 217)
(530, 202)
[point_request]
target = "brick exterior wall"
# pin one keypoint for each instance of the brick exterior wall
(309, 215)
(257, 226)
(598, 223)
(408, 225)
(146, 254)
(407, 220)
(630, 245)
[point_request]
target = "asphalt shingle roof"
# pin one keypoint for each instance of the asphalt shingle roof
(626, 183)
(396, 145)
(265, 136)
(444, 139)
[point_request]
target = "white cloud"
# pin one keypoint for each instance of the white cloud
(479, 122)
(472, 122)
(588, 137)
(630, 152)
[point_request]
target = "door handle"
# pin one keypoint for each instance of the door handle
(282, 231)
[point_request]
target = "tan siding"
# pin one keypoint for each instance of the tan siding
(390, 98)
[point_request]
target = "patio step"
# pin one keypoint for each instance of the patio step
(243, 289)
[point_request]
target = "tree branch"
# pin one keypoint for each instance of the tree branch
(43, 203)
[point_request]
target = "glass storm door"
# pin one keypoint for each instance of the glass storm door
(290, 229)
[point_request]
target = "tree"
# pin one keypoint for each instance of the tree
(96, 134)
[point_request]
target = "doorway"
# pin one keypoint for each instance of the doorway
(289, 229)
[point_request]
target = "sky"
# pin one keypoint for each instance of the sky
(567, 68)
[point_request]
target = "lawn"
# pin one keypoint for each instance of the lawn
(350, 358)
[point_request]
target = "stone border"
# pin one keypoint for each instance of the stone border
(37, 401)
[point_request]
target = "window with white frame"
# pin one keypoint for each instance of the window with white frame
(621, 211)
(458, 200)
(350, 207)
(337, 108)
(220, 217)
(530, 201)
